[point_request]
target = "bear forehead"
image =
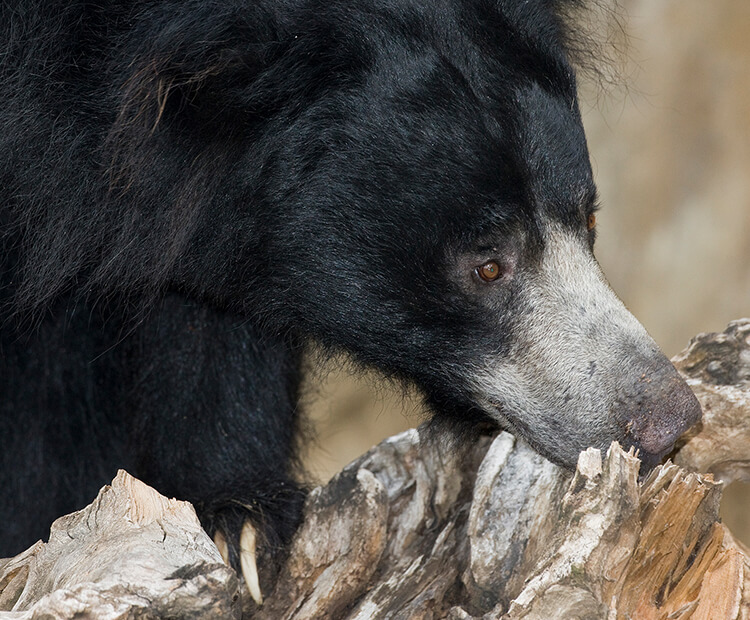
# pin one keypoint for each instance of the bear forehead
(519, 39)
(495, 72)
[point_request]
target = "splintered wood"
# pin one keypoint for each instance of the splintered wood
(417, 529)
(682, 554)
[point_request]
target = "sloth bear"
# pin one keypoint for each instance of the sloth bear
(193, 190)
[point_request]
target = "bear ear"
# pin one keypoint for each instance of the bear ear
(193, 59)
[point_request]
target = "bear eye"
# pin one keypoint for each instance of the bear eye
(591, 221)
(489, 272)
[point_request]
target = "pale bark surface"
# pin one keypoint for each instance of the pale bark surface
(132, 553)
(417, 529)
(717, 368)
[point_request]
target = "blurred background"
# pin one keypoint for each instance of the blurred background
(669, 138)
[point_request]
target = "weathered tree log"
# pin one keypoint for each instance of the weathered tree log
(416, 528)
(717, 368)
(132, 553)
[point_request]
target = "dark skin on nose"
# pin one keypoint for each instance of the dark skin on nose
(667, 408)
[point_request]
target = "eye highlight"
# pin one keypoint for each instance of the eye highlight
(489, 272)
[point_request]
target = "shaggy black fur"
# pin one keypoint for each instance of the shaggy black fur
(191, 190)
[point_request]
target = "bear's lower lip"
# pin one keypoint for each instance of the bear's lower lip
(650, 460)
(521, 432)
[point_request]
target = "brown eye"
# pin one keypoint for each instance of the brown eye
(591, 221)
(489, 272)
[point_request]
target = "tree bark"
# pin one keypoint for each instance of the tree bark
(417, 528)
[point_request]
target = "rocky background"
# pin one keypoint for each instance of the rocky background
(670, 146)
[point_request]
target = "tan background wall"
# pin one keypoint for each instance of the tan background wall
(671, 153)
(672, 160)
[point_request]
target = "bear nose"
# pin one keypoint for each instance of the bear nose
(665, 407)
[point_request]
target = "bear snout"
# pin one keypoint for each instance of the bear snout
(665, 407)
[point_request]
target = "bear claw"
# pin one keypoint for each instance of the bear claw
(247, 562)
(221, 544)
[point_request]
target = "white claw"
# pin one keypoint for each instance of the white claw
(221, 544)
(247, 561)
